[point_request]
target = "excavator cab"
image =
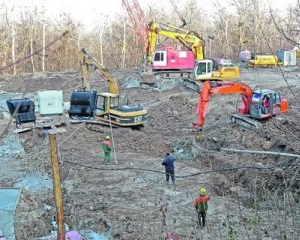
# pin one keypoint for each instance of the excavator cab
(203, 69)
(106, 102)
(208, 70)
(109, 110)
(267, 103)
(264, 104)
(87, 104)
(105, 109)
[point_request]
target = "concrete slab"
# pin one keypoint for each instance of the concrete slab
(9, 198)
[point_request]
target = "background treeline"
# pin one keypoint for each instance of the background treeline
(37, 44)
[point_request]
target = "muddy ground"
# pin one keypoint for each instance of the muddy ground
(253, 195)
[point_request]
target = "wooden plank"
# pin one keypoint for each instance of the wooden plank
(21, 130)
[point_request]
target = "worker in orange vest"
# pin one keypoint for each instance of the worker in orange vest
(107, 147)
(201, 206)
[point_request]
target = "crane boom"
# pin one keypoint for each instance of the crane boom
(138, 19)
(178, 13)
(190, 40)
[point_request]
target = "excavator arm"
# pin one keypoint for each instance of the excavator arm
(210, 88)
(190, 40)
(87, 60)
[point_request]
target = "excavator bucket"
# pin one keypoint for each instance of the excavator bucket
(23, 110)
(82, 104)
(197, 136)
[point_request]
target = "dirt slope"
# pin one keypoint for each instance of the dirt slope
(130, 200)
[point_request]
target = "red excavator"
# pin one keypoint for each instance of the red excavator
(258, 104)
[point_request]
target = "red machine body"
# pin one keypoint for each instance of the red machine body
(171, 59)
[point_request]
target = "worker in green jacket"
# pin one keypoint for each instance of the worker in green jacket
(107, 148)
(201, 206)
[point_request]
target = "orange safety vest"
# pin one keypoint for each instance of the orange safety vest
(202, 199)
(201, 203)
(107, 143)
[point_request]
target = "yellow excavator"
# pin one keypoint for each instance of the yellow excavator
(204, 69)
(104, 108)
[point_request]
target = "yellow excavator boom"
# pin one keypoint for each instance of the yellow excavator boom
(189, 39)
(87, 60)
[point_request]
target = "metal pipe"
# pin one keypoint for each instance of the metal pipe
(261, 152)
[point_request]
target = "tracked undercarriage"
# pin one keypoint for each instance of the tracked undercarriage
(173, 74)
(246, 121)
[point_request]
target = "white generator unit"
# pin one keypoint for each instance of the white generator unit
(288, 58)
(50, 102)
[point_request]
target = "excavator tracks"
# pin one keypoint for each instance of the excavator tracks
(171, 74)
(246, 122)
(191, 85)
(92, 124)
(98, 126)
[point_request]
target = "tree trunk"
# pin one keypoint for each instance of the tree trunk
(13, 52)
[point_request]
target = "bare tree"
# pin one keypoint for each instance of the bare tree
(11, 30)
(249, 25)
(288, 26)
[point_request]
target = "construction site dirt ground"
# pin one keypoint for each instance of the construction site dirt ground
(253, 195)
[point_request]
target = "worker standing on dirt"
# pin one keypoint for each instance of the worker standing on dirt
(107, 148)
(201, 206)
(168, 162)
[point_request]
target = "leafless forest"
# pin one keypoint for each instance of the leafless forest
(37, 43)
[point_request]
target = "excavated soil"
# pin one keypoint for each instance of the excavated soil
(129, 198)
